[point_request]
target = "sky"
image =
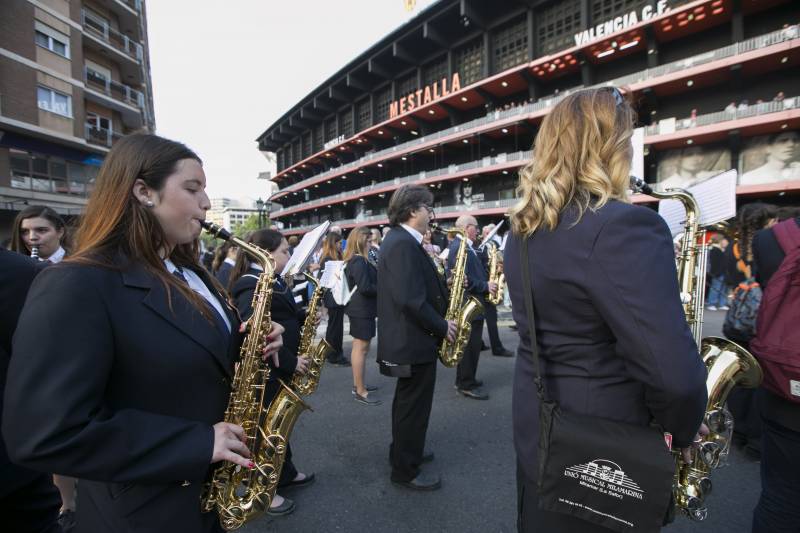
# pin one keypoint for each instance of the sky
(222, 72)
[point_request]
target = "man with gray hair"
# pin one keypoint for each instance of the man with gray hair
(478, 285)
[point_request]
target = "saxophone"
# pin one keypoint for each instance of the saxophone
(238, 495)
(308, 383)
(35, 252)
(728, 365)
(462, 313)
(495, 274)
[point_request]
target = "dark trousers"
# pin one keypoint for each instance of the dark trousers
(490, 314)
(411, 410)
(468, 367)
(335, 331)
(32, 508)
(531, 519)
(777, 510)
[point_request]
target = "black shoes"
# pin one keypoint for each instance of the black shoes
(484, 347)
(370, 388)
(427, 457)
(287, 507)
(343, 361)
(66, 519)
(366, 400)
(306, 481)
(475, 394)
(503, 353)
(423, 481)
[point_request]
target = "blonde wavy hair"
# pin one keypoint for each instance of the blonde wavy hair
(581, 156)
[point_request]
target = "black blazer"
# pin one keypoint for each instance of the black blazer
(110, 385)
(612, 333)
(16, 275)
(283, 310)
(363, 275)
(223, 274)
(477, 276)
(412, 301)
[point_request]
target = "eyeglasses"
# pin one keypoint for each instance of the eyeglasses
(429, 209)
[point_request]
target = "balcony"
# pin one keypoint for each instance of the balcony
(451, 172)
(497, 119)
(442, 212)
(117, 91)
(101, 136)
(99, 30)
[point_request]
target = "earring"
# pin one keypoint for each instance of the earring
(149, 203)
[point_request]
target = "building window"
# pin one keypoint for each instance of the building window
(557, 26)
(347, 122)
(603, 10)
(307, 145)
(469, 62)
(296, 151)
(407, 85)
(41, 173)
(382, 104)
(54, 101)
(53, 40)
(330, 129)
(364, 115)
(319, 137)
(510, 46)
(435, 71)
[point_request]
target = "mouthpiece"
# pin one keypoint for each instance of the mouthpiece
(215, 230)
(639, 185)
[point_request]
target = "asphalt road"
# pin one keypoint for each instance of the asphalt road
(346, 444)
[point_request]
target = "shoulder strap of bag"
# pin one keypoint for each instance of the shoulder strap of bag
(528, 293)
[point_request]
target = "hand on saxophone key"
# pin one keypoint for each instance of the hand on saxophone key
(492, 287)
(302, 365)
(274, 341)
(451, 331)
(686, 453)
(229, 445)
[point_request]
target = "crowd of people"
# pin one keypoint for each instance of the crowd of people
(125, 337)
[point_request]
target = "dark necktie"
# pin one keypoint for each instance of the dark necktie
(222, 327)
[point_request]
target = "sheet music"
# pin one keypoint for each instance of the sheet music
(305, 249)
(331, 274)
(715, 196)
(637, 162)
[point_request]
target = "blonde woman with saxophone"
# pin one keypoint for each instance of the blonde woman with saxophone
(612, 337)
(126, 387)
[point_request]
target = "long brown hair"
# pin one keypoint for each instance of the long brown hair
(117, 224)
(331, 249)
(357, 243)
(36, 211)
(268, 239)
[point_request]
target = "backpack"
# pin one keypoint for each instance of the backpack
(777, 341)
(740, 320)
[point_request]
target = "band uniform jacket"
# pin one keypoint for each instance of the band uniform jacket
(363, 276)
(110, 385)
(477, 275)
(284, 311)
(412, 301)
(611, 329)
(16, 275)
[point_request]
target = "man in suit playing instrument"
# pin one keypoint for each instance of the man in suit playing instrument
(478, 285)
(412, 302)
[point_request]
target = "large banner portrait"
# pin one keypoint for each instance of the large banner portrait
(770, 159)
(685, 167)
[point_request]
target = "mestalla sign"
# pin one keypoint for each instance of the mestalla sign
(620, 23)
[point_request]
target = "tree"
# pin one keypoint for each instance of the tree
(250, 224)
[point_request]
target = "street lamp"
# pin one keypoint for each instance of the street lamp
(260, 207)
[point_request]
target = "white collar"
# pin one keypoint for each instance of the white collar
(171, 268)
(58, 255)
(414, 233)
(469, 241)
(230, 261)
(256, 266)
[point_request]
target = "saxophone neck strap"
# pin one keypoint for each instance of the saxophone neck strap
(527, 290)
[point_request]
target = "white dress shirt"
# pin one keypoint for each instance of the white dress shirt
(197, 285)
(414, 233)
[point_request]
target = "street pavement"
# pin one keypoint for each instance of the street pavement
(346, 444)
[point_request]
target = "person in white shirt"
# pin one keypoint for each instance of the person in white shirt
(782, 164)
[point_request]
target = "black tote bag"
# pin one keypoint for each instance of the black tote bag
(613, 474)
